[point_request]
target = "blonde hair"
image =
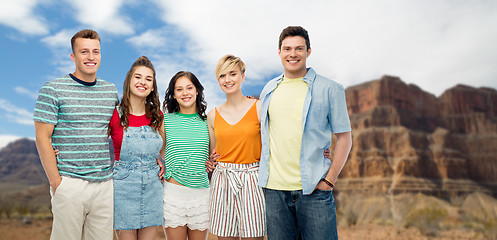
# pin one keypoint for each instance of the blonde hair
(228, 63)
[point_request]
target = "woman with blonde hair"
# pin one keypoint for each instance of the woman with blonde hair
(237, 208)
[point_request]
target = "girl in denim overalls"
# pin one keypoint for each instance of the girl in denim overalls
(138, 138)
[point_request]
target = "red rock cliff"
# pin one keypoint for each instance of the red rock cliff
(408, 140)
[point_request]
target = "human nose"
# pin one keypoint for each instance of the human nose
(292, 53)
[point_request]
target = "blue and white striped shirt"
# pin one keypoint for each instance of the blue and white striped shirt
(81, 112)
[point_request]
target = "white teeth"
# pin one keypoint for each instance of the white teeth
(92, 64)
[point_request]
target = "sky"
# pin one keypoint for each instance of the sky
(432, 44)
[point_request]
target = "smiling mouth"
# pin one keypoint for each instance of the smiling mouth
(90, 64)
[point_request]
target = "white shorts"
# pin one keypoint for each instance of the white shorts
(238, 207)
(186, 206)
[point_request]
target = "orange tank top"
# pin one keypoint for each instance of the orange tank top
(239, 143)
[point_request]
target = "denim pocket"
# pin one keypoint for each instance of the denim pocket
(121, 173)
(321, 195)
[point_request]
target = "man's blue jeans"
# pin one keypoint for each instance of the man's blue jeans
(292, 215)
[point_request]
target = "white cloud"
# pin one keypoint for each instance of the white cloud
(20, 14)
(434, 44)
(60, 45)
(6, 139)
(61, 40)
(103, 15)
(27, 92)
(152, 38)
(16, 114)
(161, 47)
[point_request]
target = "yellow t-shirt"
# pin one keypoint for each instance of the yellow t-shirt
(285, 134)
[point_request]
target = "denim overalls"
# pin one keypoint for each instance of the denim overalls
(138, 200)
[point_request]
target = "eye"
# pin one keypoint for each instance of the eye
(233, 74)
(300, 49)
(222, 76)
(96, 52)
(84, 52)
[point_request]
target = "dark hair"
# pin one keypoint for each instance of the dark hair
(171, 105)
(295, 31)
(152, 103)
(86, 33)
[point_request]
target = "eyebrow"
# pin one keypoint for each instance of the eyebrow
(286, 46)
(87, 49)
(191, 84)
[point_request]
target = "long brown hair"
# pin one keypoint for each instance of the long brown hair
(152, 103)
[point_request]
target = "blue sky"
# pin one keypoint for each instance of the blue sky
(433, 44)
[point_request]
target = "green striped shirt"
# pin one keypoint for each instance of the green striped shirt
(187, 149)
(81, 113)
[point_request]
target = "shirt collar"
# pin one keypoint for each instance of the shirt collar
(308, 78)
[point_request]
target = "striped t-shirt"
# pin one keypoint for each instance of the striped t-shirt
(81, 112)
(187, 149)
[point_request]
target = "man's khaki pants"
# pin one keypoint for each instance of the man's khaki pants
(82, 210)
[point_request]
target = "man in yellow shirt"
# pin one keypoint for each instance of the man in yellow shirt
(300, 111)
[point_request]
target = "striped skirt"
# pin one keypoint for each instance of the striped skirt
(237, 207)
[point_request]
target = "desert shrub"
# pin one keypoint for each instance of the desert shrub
(350, 217)
(6, 207)
(22, 209)
(484, 224)
(427, 220)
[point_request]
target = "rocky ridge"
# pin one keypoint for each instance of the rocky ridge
(406, 140)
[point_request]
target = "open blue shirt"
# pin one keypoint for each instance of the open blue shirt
(324, 113)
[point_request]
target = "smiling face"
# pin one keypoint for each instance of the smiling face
(294, 54)
(231, 81)
(185, 94)
(142, 82)
(86, 57)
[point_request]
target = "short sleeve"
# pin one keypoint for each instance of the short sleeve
(116, 95)
(339, 116)
(47, 105)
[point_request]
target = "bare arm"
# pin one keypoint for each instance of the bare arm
(213, 156)
(258, 108)
(342, 150)
(45, 151)
(210, 124)
(162, 151)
